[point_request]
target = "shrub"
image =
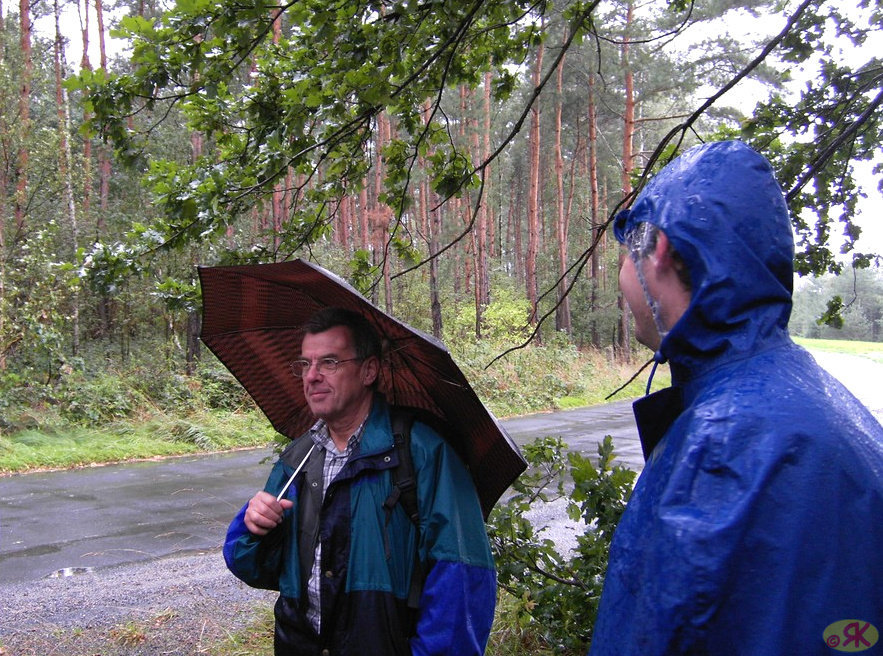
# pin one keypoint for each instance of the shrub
(525, 380)
(556, 591)
(218, 389)
(169, 391)
(93, 401)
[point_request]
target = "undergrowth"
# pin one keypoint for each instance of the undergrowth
(142, 410)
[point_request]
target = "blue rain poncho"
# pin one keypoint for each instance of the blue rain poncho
(756, 526)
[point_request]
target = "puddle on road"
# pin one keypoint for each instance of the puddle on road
(64, 572)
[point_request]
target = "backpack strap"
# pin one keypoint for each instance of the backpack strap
(404, 492)
(404, 480)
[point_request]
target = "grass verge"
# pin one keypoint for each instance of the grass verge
(528, 381)
(510, 635)
(870, 350)
(256, 639)
(153, 436)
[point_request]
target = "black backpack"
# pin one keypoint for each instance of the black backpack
(404, 491)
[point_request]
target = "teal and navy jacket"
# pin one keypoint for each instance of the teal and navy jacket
(756, 526)
(368, 557)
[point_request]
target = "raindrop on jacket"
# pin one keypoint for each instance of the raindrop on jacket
(756, 526)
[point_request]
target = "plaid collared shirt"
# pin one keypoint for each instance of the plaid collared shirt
(334, 462)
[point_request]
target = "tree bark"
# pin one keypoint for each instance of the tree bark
(24, 109)
(533, 210)
(278, 200)
(490, 223)
(484, 222)
(86, 65)
(627, 141)
(562, 312)
(429, 215)
(104, 153)
(65, 168)
(594, 214)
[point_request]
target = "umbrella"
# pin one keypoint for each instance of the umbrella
(252, 318)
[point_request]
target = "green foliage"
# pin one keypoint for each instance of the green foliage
(35, 307)
(557, 587)
(94, 401)
(301, 99)
(815, 141)
(831, 316)
(94, 398)
(540, 378)
(870, 350)
(152, 436)
(504, 322)
(527, 380)
(848, 306)
(217, 389)
(254, 639)
(178, 295)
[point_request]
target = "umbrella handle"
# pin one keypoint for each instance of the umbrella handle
(296, 472)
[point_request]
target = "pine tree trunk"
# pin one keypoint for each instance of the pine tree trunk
(86, 65)
(562, 312)
(24, 121)
(479, 227)
(594, 214)
(4, 186)
(278, 200)
(484, 221)
(65, 168)
(429, 220)
(627, 141)
(533, 210)
(490, 223)
(104, 153)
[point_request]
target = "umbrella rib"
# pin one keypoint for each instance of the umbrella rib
(428, 365)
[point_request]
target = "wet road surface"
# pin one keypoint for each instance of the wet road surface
(112, 515)
(62, 523)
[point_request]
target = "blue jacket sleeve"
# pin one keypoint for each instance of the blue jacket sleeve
(457, 610)
(459, 594)
(255, 560)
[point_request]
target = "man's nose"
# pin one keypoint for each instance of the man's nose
(312, 371)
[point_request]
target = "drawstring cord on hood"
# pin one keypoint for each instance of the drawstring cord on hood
(635, 251)
(656, 360)
(652, 373)
(628, 382)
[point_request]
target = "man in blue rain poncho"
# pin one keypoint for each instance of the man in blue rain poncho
(756, 526)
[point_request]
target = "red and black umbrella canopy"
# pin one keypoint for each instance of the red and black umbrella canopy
(252, 318)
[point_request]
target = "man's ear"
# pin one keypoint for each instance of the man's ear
(661, 255)
(370, 371)
(668, 263)
(664, 255)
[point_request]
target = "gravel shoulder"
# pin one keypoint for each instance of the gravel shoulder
(180, 605)
(185, 605)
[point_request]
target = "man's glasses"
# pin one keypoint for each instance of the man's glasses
(325, 366)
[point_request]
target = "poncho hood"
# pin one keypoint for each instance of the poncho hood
(722, 209)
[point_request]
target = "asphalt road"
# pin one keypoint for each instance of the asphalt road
(60, 523)
(63, 523)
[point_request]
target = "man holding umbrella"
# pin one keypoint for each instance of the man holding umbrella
(324, 533)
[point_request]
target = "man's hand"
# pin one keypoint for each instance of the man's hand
(264, 513)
